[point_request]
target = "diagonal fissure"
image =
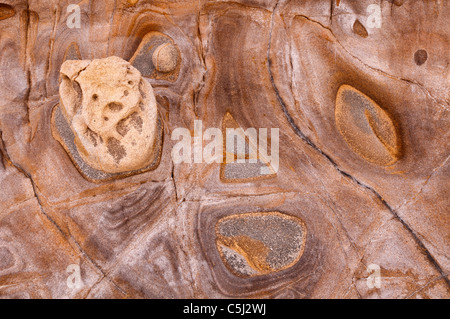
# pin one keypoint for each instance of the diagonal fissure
(305, 139)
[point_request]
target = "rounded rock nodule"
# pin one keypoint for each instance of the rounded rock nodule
(165, 58)
(112, 112)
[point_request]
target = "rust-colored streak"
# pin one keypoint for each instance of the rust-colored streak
(254, 251)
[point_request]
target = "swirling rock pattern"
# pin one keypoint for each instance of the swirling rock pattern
(157, 57)
(362, 113)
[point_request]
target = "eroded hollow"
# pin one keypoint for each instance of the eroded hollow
(115, 106)
(366, 127)
(359, 29)
(420, 57)
(6, 11)
(255, 244)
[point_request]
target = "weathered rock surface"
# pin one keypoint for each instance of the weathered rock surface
(359, 183)
(112, 113)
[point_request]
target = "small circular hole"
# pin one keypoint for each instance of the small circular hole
(125, 93)
(95, 97)
(105, 118)
(130, 82)
(420, 57)
(115, 106)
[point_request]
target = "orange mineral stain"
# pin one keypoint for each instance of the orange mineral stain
(366, 127)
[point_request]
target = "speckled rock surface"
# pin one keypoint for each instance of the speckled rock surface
(112, 113)
(361, 182)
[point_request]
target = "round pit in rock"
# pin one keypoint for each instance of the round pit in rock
(253, 244)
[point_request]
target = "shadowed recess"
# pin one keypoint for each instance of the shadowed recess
(254, 244)
(398, 3)
(6, 11)
(359, 29)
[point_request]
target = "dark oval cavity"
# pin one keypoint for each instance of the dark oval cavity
(420, 57)
(115, 106)
(359, 29)
(398, 3)
(79, 97)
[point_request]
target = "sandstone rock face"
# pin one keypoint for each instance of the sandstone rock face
(165, 58)
(112, 113)
(92, 204)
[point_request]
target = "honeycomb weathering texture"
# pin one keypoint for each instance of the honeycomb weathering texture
(359, 91)
(359, 29)
(112, 113)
